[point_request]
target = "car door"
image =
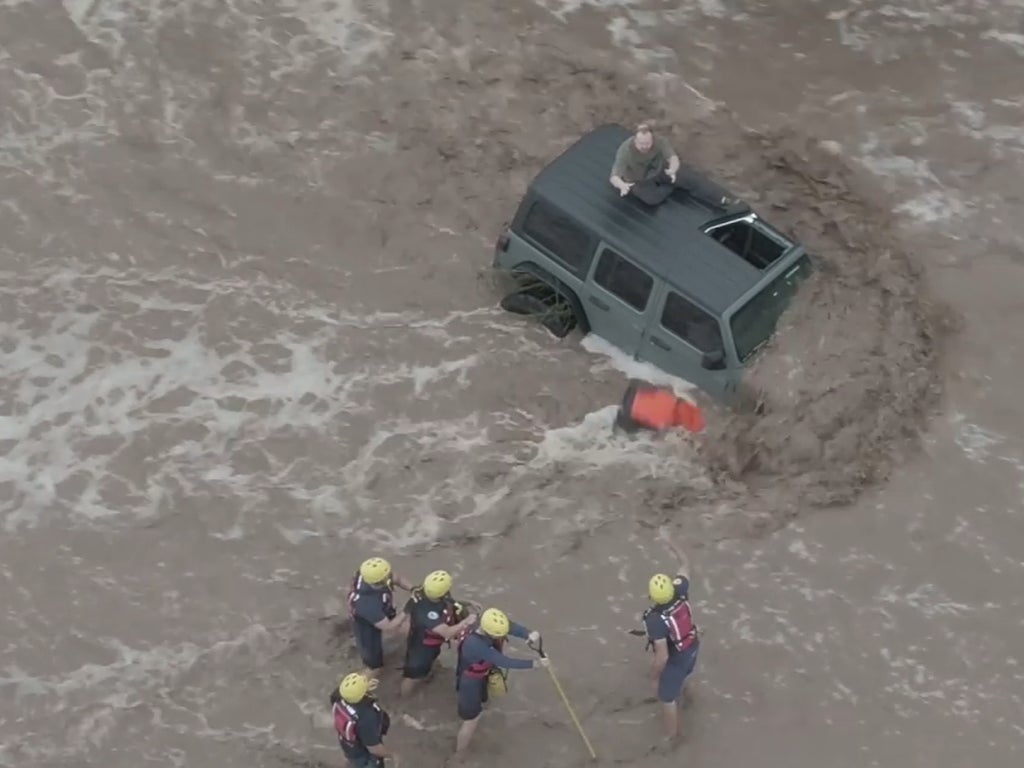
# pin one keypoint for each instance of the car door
(618, 293)
(680, 336)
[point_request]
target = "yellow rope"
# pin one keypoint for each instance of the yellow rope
(572, 714)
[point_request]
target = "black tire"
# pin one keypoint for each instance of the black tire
(528, 274)
(555, 313)
(524, 302)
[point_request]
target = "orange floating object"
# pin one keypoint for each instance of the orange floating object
(689, 416)
(645, 406)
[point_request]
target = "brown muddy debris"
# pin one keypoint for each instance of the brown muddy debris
(845, 388)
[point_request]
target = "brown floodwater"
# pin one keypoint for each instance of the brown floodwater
(249, 337)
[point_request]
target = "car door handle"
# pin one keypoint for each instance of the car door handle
(598, 303)
(660, 344)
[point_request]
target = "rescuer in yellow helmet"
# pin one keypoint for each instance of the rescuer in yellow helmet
(360, 722)
(674, 637)
(372, 608)
(481, 668)
(435, 619)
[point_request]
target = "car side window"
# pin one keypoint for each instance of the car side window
(624, 279)
(562, 236)
(691, 324)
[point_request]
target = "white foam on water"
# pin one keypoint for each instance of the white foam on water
(850, 35)
(977, 443)
(633, 368)
(799, 548)
(78, 10)
(868, 25)
(397, 470)
(896, 165)
(971, 114)
(561, 9)
(926, 598)
(590, 441)
(593, 444)
(341, 30)
(133, 670)
(714, 8)
(424, 375)
(114, 411)
(94, 696)
(630, 30)
(926, 199)
(103, 21)
(47, 124)
(974, 121)
(1013, 39)
(934, 206)
(623, 34)
(343, 24)
(70, 401)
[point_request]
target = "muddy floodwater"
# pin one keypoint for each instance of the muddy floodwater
(249, 336)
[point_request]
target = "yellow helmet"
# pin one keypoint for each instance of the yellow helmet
(661, 589)
(494, 623)
(375, 570)
(437, 585)
(355, 686)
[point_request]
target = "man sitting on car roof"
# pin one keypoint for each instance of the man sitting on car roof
(645, 165)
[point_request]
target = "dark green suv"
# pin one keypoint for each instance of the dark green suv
(694, 286)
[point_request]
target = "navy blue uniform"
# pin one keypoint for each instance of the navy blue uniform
(674, 624)
(424, 644)
(360, 726)
(478, 656)
(368, 606)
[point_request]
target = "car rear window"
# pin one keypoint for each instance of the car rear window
(559, 234)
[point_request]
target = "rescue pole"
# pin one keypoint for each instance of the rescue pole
(539, 648)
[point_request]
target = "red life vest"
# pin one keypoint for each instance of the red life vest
(479, 670)
(346, 718)
(433, 640)
(678, 618)
(354, 594)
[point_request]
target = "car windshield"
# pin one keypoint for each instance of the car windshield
(754, 323)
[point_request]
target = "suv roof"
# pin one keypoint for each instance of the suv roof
(667, 240)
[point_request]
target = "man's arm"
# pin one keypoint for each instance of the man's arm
(498, 659)
(660, 657)
(657, 634)
(618, 167)
(673, 158)
(387, 624)
(523, 633)
(401, 583)
(451, 631)
(684, 563)
(374, 614)
(518, 630)
(368, 729)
